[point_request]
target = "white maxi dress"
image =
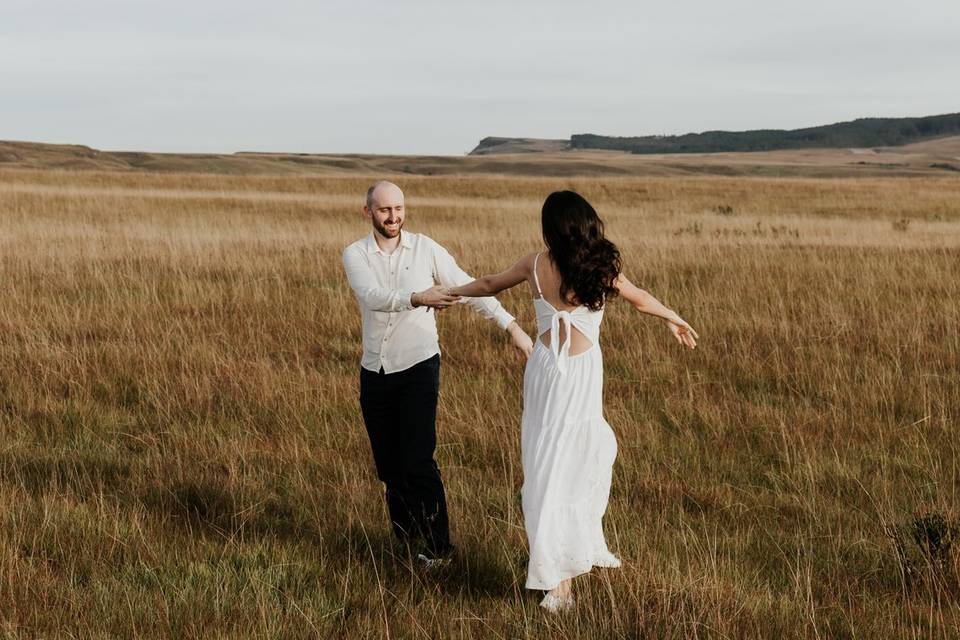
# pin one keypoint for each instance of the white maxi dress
(567, 447)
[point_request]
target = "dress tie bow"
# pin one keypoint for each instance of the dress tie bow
(561, 352)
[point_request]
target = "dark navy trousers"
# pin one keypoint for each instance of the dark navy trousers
(400, 411)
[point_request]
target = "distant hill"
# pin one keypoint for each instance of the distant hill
(860, 133)
(553, 158)
(493, 145)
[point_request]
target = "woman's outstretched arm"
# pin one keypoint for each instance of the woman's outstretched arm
(494, 284)
(646, 303)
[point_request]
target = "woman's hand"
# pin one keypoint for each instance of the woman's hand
(436, 297)
(683, 332)
(520, 339)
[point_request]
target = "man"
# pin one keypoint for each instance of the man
(399, 279)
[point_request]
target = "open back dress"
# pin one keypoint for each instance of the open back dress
(567, 446)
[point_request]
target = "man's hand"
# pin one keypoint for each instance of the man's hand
(520, 339)
(435, 297)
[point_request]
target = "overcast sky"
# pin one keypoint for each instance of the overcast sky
(434, 77)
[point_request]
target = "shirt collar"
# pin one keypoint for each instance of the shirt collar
(406, 241)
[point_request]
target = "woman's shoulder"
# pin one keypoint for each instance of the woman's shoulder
(525, 261)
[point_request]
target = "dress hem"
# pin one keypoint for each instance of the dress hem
(576, 573)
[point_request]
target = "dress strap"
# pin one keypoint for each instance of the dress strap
(536, 280)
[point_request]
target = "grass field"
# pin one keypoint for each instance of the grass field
(183, 456)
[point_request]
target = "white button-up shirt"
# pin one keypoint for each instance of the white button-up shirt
(397, 335)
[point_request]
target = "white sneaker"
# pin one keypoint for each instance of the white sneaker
(556, 604)
(430, 564)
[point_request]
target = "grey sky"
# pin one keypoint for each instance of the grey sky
(434, 77)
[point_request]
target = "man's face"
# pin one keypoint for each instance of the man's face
(386, 211)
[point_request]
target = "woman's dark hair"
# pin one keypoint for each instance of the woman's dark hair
(588, 263)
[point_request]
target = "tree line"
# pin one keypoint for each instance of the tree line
(863, 132)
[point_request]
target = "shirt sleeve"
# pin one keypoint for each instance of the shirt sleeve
(450, 274)
(364, 283)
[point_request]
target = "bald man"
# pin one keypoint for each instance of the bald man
(399, 278)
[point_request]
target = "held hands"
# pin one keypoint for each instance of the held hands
(683, 332)
(436, 297)
(520, 339)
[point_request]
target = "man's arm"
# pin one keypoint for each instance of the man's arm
(494, 284)
(365, 286)
(451, 275)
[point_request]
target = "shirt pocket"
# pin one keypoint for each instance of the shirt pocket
(415, 275)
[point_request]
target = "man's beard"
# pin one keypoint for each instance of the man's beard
(382, 230)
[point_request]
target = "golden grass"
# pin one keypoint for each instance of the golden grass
(183, 454)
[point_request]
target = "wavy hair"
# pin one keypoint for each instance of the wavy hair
(588, 263)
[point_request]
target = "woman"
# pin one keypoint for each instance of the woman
(568, 448)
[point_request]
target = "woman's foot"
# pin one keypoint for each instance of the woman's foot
(556, 604)
(560, 598)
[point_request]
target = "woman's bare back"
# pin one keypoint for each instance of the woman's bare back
(549, 277)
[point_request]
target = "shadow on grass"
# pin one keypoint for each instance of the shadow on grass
(85, 473)
(469, 573)
(214, 509)
(209, 508)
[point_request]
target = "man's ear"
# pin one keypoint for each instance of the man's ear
(366, 211)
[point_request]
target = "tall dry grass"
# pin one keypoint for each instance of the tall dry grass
(182, 452)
